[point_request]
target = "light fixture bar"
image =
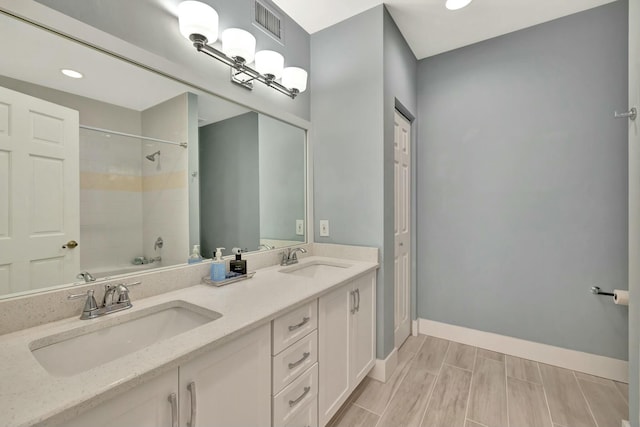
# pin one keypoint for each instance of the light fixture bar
(200, 43)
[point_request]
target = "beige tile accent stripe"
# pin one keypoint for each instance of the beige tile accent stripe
(110, 182)
(115, 182)
(165, 181)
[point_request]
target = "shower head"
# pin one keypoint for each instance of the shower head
(152, 157)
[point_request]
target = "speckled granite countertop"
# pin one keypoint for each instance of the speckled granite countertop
(29, 395)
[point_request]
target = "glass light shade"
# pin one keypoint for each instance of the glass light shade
(269, 62)
(239, 43)
(456, 4)
(195, 17)
(294, 78)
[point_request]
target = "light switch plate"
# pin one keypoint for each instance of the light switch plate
(300, 227)
(324, 228)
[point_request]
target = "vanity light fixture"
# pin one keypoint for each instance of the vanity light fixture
(457, 4)
(239, 44)
(270, 63)
(71, 73)
(199, 23)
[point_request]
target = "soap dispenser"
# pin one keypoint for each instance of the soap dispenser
(218, 268)
(195, 256)
(238, 265)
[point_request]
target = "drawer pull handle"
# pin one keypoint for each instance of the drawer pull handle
(173, 400)
(192, 390)
(305, 355)
(353, 305)
(305, 320)
(292, 403)
(358, 294)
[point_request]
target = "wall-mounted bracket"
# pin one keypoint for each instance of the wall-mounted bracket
(631, 114)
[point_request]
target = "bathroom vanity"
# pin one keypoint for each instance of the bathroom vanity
(284, 348)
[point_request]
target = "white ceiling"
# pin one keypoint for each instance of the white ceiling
(429, 27)
(40, 55)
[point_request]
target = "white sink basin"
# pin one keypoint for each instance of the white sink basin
(80, 349)
(315, 268)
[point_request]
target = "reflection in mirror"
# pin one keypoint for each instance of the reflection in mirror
(254, 165)
(101, 161)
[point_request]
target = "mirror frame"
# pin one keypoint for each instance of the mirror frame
(46, 19)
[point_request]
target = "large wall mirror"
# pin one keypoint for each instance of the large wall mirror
(124, 170)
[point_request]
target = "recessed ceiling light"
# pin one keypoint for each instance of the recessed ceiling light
(456, 4)
(71, 73)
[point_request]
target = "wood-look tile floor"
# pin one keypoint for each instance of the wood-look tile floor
(439, 383)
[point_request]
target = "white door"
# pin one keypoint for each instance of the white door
(634, 194)
(229, 386)
(39, 193)
(402, 189)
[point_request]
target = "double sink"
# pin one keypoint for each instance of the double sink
(87, 347)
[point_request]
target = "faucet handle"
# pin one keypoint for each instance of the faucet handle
(90, 304)
(123, 292)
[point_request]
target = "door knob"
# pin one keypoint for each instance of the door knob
(70, 244)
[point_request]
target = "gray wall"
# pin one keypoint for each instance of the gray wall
(634, 213)
(153, 26)
(522, 181)
(282, 178)
(347, 138)
(229, 200)
(371, 71)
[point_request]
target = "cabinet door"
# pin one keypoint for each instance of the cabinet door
(363, 329)
(146, 405)
(334, 319)
(231, 384)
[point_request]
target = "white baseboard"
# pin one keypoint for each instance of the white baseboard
(588, 363)
(626, 423)
(414, 328)
(383, 369)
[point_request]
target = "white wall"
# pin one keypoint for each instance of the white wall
(164, 182)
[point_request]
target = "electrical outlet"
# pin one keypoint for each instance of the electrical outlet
(300, 227)
(324, 228)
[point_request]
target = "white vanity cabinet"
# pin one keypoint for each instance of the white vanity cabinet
(295, 367)
(346, 342)
(147, 405)
(229, 386)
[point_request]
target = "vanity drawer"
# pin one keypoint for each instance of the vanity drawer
(293, 361)
(294, 325)
(306, 417)
(294, 399)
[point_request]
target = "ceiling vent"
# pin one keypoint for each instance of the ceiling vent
(265, 19)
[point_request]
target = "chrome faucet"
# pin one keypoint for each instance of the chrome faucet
(86, 276)
(291, 256)
(265, 246)
(158, 244)
(110, 303)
